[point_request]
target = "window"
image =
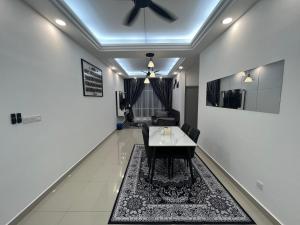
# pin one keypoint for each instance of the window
(147, 104)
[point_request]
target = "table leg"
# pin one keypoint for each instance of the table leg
(153, 165)
(169, 168)
(172, 167)
(191, 166)
(149, 165)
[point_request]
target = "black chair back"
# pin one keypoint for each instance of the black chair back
(194, 134)
(145, 127)
(185, 128)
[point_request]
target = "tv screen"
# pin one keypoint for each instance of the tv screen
(232, 99)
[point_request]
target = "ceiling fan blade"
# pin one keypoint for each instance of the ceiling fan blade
(131, 16)
(162, 12)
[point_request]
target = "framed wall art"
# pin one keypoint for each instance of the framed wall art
(92, 80)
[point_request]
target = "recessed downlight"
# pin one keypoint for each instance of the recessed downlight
(113, 68)
(180, 67)
(60, 22)
(119, 73)
(227, 20)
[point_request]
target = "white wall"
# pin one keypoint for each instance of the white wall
(119, 83)
(252, 145)
(41, 74)
(179, 95)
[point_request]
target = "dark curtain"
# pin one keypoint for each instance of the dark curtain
(226, 99)
(213, 92)
(163, 89)
(133, 89)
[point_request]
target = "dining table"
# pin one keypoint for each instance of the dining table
(171, 137)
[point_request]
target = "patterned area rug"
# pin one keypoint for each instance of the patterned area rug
(173, 201)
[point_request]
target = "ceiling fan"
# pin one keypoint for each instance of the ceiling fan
(151, 73)
(139, 4)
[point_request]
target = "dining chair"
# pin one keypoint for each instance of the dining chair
(145, 127)
(145, 133)
(186, 128)
(154, 154)
(186, 153)
(194, 135)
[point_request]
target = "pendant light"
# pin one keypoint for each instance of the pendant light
(146, 81)
(151, 73)
(150, 64)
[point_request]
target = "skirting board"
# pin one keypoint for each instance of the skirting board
(36, 201)
(243, 189)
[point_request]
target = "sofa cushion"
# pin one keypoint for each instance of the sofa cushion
(161, 114)
(171, 118)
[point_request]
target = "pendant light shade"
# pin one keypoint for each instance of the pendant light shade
(152, 74)
(146, 81)
(150, 55)
(150, 64)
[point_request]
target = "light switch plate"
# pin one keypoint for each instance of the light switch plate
(31, 119)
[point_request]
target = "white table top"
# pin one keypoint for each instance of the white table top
(176, 138)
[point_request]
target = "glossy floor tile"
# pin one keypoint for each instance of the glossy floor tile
(87, 195)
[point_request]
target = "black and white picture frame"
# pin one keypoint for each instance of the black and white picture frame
(92, 80)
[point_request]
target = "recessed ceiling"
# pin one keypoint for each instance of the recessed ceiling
(104, 19)
(113, 12)
(136, 66)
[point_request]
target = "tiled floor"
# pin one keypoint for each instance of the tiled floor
(87, 195)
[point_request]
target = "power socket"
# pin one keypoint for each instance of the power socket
(260, 185)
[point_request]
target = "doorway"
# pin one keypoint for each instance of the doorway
(191, 106)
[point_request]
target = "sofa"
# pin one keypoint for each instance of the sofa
(166, 118)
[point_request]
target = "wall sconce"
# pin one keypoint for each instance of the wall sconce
(248, 79)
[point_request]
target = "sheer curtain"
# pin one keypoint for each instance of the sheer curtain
(147, 104)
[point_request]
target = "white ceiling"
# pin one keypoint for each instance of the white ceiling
(107, 17)
(104, 19)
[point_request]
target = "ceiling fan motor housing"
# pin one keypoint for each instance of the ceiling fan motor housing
(141, 3)
(150, 55)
